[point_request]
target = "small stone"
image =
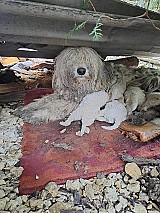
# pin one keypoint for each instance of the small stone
(126, 179)
(16, 171)
(125, 192)
(12, 205)
(16, 190)
(73, 185)
(3, 203)
(100, 175)
(63, 131)
(97, 203)
(118, 207)
(139, 208)
(124, 201)
(154, 189)
(145, 170)
(134, 186)
(87, 210)
(150, 206)
(100, 181)
(89, 191)
(62, 198)
(22, 209)
(118, 184)
(2, 165)
(44, 194)
(36, 203)
(154, 172)
(57, 207)
(52, 188)
(112, 177)
(47, 203)
(122, 204)
(19, 200)
(5, 212)
(133, 170)
(83, 181)
(2, 182)
(12, 195)
(46, 141)
(111, 194)
(101, 210)
(36, 177)
(2, 151)
(107, 183)
(143, 197)
(2, 193)
(24, 198)
(155, 206)
(77, 198)
(111, 210)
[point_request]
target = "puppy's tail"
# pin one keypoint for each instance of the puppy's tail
(115, 126)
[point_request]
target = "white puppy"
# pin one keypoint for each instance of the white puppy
(114, 113)
(87, 111)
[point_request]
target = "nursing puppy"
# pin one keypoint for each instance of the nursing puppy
(134, 98)
(152, 100)
(87, 111)
(113, 113)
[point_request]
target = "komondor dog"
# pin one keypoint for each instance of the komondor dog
(78, 72)
(87, 111)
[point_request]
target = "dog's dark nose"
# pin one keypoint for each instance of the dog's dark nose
(81, 71)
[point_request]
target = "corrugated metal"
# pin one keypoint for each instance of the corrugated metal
(44, 27)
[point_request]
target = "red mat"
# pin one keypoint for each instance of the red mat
(49, 155)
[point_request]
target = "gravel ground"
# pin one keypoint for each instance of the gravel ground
(137, 189)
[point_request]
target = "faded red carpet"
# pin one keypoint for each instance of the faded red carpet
(49, 155)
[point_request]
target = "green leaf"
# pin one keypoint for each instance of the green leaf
(96, 32)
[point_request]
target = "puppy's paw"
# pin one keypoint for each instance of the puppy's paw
(64, 123)
(87, 130)
(144, 108)
(79, 133)
(108, 127)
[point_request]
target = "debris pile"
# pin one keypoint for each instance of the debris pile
(28, 70)
(20, 74)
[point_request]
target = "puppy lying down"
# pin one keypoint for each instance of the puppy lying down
(87, 111)
(95, 106)
(134, 98)
(114, 113)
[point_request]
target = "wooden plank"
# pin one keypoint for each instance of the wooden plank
(11, 87)
(12, 96)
